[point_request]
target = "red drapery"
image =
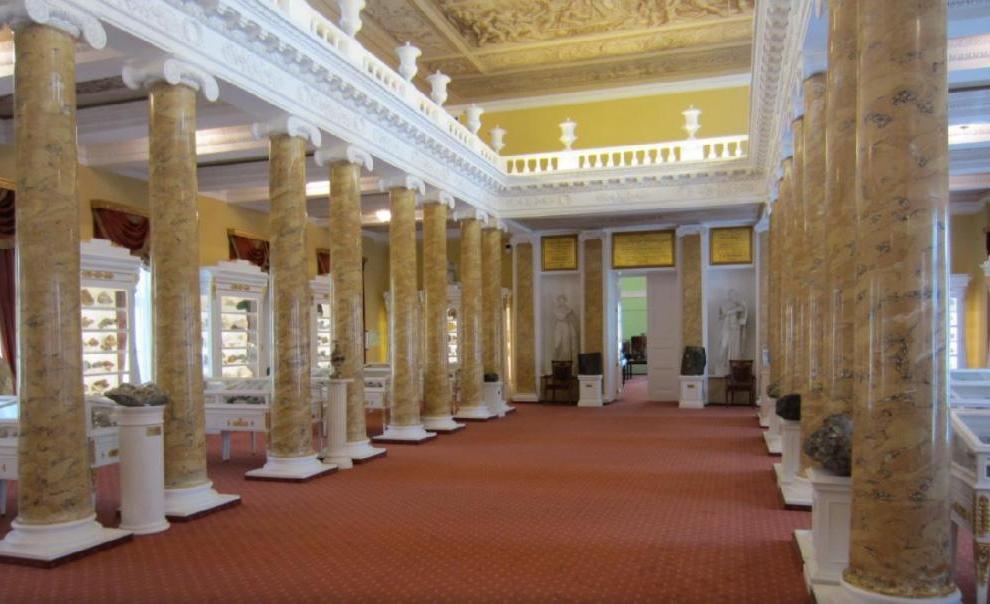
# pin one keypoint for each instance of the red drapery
(322, 262)
(253, 250)
(123, 228)
(8, 293)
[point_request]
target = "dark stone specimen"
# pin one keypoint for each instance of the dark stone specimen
(831, 445)
(789, 407)
(694, 360)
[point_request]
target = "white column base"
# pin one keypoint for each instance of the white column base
(772, 441)
(491, 397)
(850, 594)
(692, 392)
(795, 492)
(475, 413)
(590, 391)
(441, 423)
(48, 543)
(767, 405)
(291, 469)
(525, 397)
(361, 450)
(190, 502)
(830, 521)
(405, 434)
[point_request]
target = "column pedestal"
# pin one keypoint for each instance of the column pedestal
(590, 391)
(491, 397)
(361, 451)
(692, 392)
(291, 469)
(405, 435)
(826, 546)
(48, 545)
(772, 436)
(335, 425)
(794, 490)
(475, 413)
(441, 424)
(848, 594)
(765, 408)
(142, 470)
(194, 502)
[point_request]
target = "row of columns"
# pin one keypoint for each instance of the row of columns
(858, 286)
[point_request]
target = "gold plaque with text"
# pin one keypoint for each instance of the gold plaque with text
(560, 252)
(731, 245)
(643, 249)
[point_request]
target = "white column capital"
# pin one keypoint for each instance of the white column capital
(495, 223)
(522, 238)
(166, 68)
(443, 198)
(344, 152)
(764, 222)
(406, 181)
(470, 214)
(585, 235)
(58, 14)
(689, 229)
(287, 124)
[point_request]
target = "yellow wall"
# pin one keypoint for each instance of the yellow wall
(637, 120)
(967, 252)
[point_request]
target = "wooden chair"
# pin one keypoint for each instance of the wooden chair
(740, 378)
(561, 378)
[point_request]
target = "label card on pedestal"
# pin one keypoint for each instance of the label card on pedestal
(560, 252)
(731, 245)
(643, 249)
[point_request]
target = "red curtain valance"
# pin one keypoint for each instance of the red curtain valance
(8, 285)
(245, 247)
(322, 262)
(124, 228)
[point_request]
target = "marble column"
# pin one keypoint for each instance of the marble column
(798, 253)
(437, 412)
(290, 437)
(816, 309)
(524, 340)
(785, 210)
(774, 302)
(471, 405)
(763, 315)
(54, 489)
(174, 246)
(404, 424)
(691, 307)
(348, 288)
(492, 318)
(593, 328)
(900, 542)
(840, 199)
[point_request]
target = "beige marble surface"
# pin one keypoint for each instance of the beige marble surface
(594, 296)
(799, 245)
(402, 288)
(348, 301)
(785, 207)
(524, 342)
(54, 478)
(491, 300)
(816, 324)
(840, 201)
(175, 280)
(691, 321)
(763, 312)
(471, 373)
(291, 431)
(773, 299)
(436, 386)
(900, 541)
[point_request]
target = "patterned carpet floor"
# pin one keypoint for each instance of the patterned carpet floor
(635, 502)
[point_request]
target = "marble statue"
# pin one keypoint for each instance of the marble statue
(565, 332)
(732, 318)
(831, 445)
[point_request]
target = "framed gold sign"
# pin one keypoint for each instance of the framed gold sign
(643, 249)
(559, 252)
(731, 245)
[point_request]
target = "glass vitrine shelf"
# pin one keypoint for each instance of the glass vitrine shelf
(235, 324)
(322, 324)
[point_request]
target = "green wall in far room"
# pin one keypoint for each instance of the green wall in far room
(633, 309)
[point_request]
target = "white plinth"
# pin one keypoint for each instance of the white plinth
(441, 423)
(291, 469)
(361, 450)
(767, 408)
(335, 425)
(491, 397)
(830, 513)
(590, 391)
(692, 392)
(142, 470)
(772, 442)
(794, 489)
(849, 594)
(405, 434)
(47, 543)
(185, 503)
(475, 413)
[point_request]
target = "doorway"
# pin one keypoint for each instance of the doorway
(649, 331)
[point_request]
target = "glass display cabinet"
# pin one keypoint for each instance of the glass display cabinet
(236, 325)
(108, 283)
(970, 487)
(322, 324)
(969, 388)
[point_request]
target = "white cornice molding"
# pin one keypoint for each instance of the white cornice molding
(443, 198)
(689, 229)
(522, 238)
(966, 207)
(344, 152)
(74, 21)
(585, 235)
(165, 68)
(286, 124)
(969, 52)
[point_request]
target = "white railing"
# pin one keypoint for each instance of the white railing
(628, 156)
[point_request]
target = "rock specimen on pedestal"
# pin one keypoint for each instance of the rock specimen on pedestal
(693, 362)
(491, 377)
(831, 445)
(129, 395)
(337, 359)
(789, 407)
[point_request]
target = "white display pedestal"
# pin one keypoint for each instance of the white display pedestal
(361, 451)
(193, 502)
(590, 391)
(772, 435)
(50, 544)
(795, 490)
(405, 435)
(692, 392)
(335, 425)
(142, 469)
(491, 397)
(828, 555)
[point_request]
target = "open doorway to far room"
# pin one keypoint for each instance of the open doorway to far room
(632, 327)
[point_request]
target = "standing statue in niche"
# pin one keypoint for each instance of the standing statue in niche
(732, 317)
(565, 332)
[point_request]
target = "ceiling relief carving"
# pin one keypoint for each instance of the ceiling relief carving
(510, 48)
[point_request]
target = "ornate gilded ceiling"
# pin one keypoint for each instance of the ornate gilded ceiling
(513, 48)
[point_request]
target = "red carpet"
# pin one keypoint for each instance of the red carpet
(635, 502)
